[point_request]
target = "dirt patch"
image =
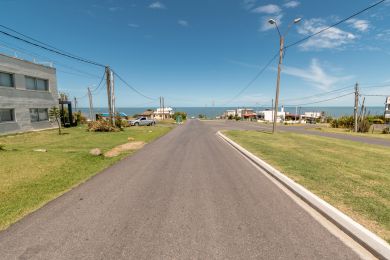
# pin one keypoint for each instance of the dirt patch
(124, 147)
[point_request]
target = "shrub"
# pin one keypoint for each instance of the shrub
(343, 122)
(2, 147)
(386, 130)
(101, 126)
(230, 117)
(79, 118)
(182, 114)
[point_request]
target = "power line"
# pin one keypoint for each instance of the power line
(319, 94)
(52, 49)
(325, 100)
(335, 24)
(254, 79)
(133, 88)
(21, 50)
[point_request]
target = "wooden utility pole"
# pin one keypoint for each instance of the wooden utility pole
(109, 93)
(91, 116)
(281, 51)
(163, 105)
(356, 107)
(75, 104)
(273, 111)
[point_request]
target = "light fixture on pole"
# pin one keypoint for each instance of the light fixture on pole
(281, 51)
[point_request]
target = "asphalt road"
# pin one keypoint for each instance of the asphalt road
(188, 195)
(246, 125)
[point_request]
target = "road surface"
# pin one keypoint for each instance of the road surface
(188, 195)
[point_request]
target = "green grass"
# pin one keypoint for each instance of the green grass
(30, 179)
(351, 176)
(376, 134)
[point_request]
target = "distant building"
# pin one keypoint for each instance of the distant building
(268, 115)
(229, 113)
(163, 113)
(149, 114)
(387, 108)
(27, 92)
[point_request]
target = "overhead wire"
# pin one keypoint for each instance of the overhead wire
(132, 88)
(322, 101)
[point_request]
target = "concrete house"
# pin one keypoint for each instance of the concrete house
(27, 91)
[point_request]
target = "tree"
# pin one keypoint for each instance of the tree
(182, 114)
(55, 114)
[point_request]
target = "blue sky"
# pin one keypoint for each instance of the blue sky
(196, 53)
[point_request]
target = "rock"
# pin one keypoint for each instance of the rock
(130, 139)
(95, 152)
(150, 131)
(40, 150)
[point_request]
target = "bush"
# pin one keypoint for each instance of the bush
(201, 116)
(343, 122)
(101, 126)
(386, 130)
(182, 114)
(79, 118)
(2, 147)
(230, 117)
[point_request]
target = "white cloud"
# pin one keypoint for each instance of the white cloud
(157, 5)
(291, 4)
(133, 25)
(315, 75)
(329, 39)
(248, 4)
(113, 9)
(183, 23)
(267, 9)
(360, 25)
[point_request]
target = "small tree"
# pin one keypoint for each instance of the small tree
(55, 114)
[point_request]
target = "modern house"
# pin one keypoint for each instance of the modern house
(163, 113)
(27, 91)
(387, 108)
(268, 115)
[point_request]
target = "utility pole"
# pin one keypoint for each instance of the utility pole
(281, 50)
(163, 105)
(75, 104)
(90, 105)
(273, 111)
(109, 93)
(356, 107)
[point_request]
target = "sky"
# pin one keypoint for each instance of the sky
(205, 52)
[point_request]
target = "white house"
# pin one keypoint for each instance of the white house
(163, 113)
(268, 115)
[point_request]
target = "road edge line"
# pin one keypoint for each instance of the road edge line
(356, 231)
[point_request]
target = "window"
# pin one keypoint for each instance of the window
(36, 84)
(6, 115)
(6, 80)
(39, 114)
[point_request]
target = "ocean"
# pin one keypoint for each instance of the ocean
(212, 112)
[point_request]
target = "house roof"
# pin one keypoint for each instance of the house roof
(146, 113)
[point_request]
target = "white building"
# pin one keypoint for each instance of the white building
(229, 113)
(268, 115)
(163, 113)
(312, 115)
(387, 108)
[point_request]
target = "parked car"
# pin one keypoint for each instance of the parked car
(142, 121)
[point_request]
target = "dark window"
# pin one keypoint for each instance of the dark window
(6, 115)
(36, 84)
(39, 114)
(6, 80)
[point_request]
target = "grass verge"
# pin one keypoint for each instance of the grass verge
(30, 179)
(376, 134)
(351, 176)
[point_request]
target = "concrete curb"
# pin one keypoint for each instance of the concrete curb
(363, 236)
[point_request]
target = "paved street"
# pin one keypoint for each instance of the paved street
(308, 129)
(188, 195)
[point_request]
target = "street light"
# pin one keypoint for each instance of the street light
(281, 49)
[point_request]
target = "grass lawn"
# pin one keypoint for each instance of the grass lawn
(30, 179)
(352, 176)
(376, 134)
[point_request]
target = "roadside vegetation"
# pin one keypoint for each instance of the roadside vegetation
(37, 167)
(353, 177)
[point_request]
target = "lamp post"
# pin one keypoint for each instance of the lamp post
(281, 50)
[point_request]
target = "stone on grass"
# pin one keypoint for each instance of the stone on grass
(95, 152)
(130, 139)
(40, 150)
